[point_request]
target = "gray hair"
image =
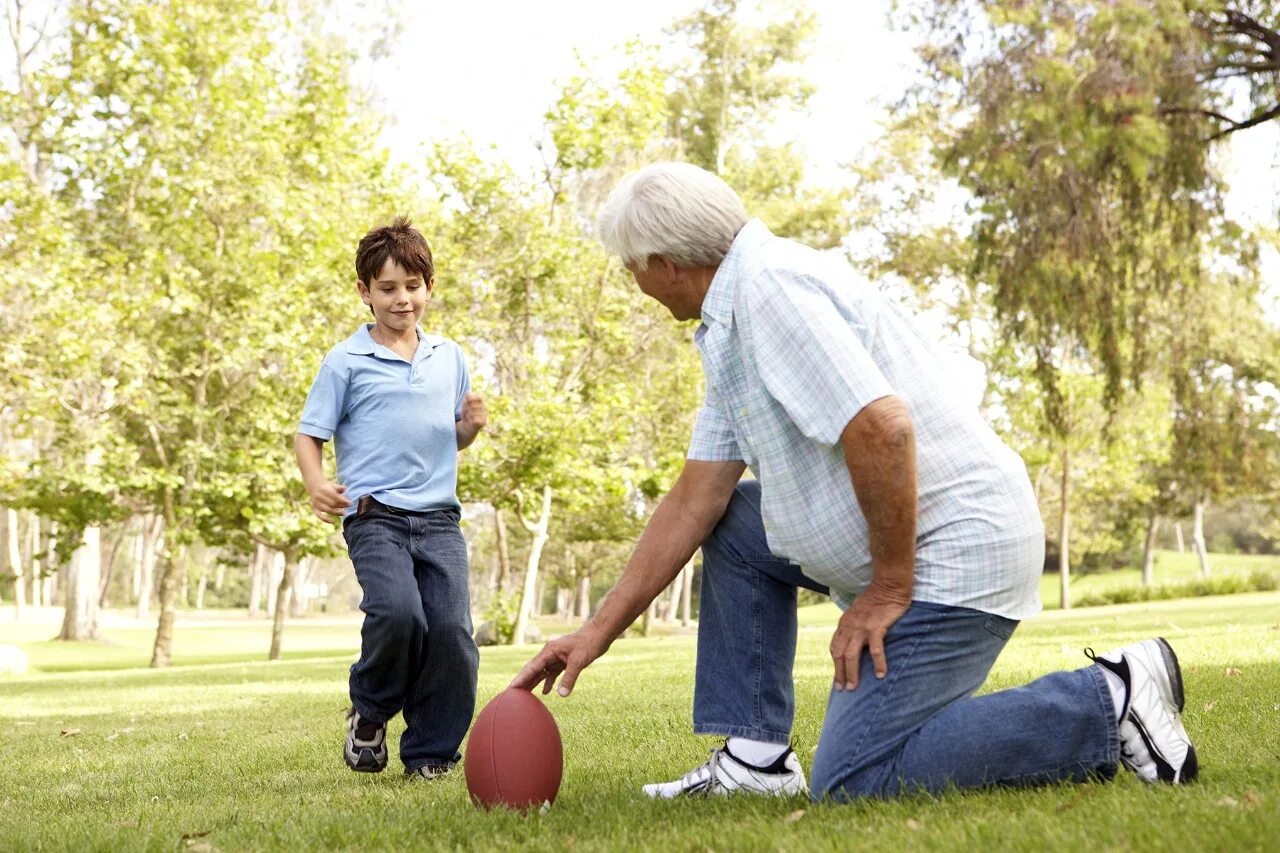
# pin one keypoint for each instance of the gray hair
(676, 210)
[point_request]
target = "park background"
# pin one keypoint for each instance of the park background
(1079, 200)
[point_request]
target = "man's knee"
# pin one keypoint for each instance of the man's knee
(841, 778)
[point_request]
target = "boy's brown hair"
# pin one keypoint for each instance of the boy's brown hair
(400, 242)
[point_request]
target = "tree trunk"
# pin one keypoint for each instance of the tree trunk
(1149, 550)
(672, 607)
(112, 553)
(257, 568)
(80, 619)
(152, 528)
(38, 585)
(1197, 535)
(301, 573)
(135, 584)
(15, 564)
(202, 584)
(504, 554)
(283, 594)
(584, 597)
(52, 569)
(1064, 533)
(539, 531)
(686, 595)
(162, 653)
(564, 602)
(275, 569)
(1177, 530)
(220, 576)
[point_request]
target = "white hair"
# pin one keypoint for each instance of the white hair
(676, 210)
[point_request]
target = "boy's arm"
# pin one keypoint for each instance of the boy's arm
(328, 499)
(474, 416)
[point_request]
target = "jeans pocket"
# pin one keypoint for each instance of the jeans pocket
(1000, 626)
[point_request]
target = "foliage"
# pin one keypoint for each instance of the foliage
(1258, 581)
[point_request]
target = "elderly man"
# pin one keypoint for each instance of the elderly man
(876, 484)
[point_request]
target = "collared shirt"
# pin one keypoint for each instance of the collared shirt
(794, 344)
(392, 421)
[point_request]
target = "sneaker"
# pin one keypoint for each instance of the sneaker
(427, 771)
(725, 774)
(365, 749)
(1153, 742)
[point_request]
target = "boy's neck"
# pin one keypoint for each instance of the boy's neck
(402, 343)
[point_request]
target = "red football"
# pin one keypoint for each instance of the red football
(514, 757)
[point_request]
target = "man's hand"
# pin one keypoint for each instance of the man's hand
(864, 625)
(328, 501)
(569, 655)
(474, 417)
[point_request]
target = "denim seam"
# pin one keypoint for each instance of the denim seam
(758, 644)
(866, 729)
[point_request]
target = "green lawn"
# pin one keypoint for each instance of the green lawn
(228, 752)
(1171, 568)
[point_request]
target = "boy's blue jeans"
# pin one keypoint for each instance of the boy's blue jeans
(416, 649)
(919, 728)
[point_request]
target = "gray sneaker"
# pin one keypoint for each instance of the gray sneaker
(365, 749)
(1153, 742)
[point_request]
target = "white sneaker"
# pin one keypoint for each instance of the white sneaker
(1153, 742)
(725, 774)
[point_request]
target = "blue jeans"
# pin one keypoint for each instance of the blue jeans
(918, 729)
(417, 654)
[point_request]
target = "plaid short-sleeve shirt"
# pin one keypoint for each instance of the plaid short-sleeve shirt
(794, 345)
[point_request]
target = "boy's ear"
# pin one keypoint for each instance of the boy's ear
(363, 290)
(431, 285)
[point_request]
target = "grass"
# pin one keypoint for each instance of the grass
(228, 752)
(1171, 568)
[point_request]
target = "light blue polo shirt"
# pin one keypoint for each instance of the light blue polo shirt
(392, 422)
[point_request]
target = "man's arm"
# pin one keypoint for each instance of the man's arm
(880, 452)
(681, 523)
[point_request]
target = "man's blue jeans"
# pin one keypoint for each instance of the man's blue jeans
(416, 649)
(918, 729)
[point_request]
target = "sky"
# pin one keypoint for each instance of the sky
(495, 83)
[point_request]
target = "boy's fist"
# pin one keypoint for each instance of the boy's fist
(329, 501)
(474, 413)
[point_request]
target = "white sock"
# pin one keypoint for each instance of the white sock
(755, 752)
(1118, 691)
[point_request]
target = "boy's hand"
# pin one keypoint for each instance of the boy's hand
(474, 416)
(328, 501)
(474, 413)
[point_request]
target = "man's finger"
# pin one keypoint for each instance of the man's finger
(837, 657)
(532, 673)
(852, 660)
(877, 656)
(570, 677)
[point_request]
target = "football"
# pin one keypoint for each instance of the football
(514, 757)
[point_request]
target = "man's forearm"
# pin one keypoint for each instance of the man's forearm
(681, 523)
(880, 452)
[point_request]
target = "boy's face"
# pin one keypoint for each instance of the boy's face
(397, 296)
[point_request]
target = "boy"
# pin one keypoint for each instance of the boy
(398, 404)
